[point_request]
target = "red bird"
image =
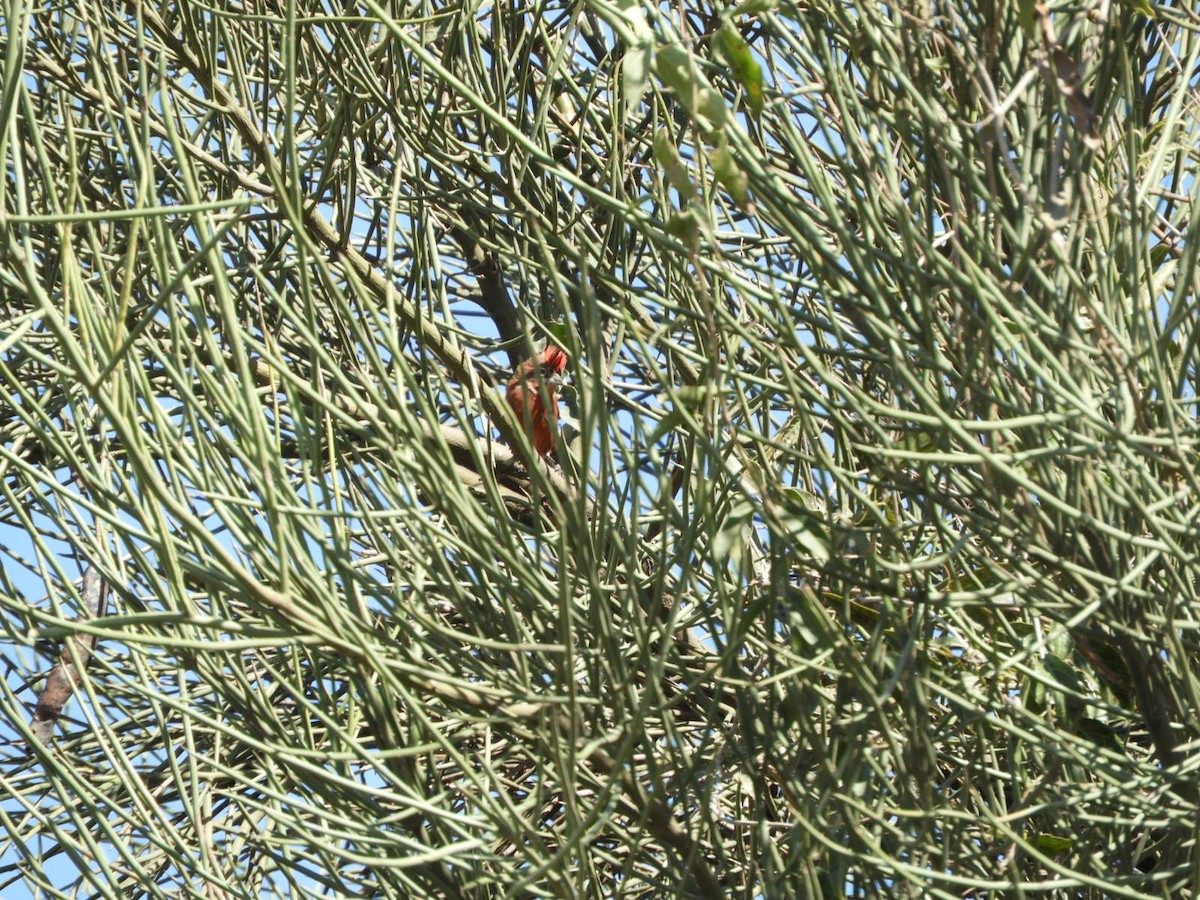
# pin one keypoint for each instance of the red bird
(535, 381)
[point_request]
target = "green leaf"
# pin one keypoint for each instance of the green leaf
(1052, 844)
(711, 112)
(677, 173)
(693, 396)
(1064, 673)
(674, 67)
(635, 66)
(731, 531)
(1099, 732)
(635, 74)
(684, 227)
(672, 420)
(730, 175)
(1027, 15)
(1144, 7)
(745, 68)
(805, 526)
(635, 19)
(754, 7)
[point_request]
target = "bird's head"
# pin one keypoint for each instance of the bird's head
(545, 368)
(551, 363)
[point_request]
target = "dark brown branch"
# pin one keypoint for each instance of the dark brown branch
(493, 292)
(68, 671)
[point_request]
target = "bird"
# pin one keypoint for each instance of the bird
(531, 394)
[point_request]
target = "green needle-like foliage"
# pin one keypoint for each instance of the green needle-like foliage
(868, 564)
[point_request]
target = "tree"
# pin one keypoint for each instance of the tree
(870, 565)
